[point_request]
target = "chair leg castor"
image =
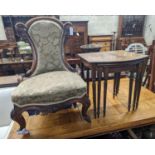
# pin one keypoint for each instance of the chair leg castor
(23, 132)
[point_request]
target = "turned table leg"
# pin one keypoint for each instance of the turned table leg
(82, 70)
(116, 84)
(142, 70)
(136, 87)
(99, 74)
(105, 91)
(138, 90)
(94, 89)
(87, 79)
(130, 90)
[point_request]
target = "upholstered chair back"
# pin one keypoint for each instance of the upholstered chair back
(47, 38)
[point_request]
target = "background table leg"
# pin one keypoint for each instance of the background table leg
(99, 92)
(82, 70)
(87, 79)
(114, 86)
(105, 92)
(118, 83)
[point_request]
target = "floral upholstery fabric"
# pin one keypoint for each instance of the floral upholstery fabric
(49, 88)
(47, 38)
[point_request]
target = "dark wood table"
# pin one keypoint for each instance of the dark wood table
(89, 48)
(8, 45)
(114, 62)
(7, 65)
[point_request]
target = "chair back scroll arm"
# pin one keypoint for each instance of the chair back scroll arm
(68, 66)
(64, 41)
(23, 33)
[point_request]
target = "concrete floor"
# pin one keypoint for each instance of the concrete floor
(5, 109)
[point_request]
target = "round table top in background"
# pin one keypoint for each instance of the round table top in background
(91, 47)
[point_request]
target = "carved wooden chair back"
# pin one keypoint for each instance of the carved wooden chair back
(46, 37)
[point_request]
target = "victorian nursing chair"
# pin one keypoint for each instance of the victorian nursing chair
(52, 83)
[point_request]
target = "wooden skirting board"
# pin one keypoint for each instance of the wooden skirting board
(69, 124)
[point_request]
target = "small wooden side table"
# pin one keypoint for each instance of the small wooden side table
(89, 48)
(115, 62)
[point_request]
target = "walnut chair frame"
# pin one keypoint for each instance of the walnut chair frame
(16, 114)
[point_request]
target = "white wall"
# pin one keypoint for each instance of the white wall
(97, 25)
(149, 24)
(6, 105)
(101, 25)
(105, 25)
(2, 32)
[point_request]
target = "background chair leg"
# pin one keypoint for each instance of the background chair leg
(75, 105)
(85, 105)
(16, 115)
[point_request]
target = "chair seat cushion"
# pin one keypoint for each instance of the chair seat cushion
(49, 88)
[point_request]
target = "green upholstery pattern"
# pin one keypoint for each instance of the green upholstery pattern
(49, 88)
(47, 38)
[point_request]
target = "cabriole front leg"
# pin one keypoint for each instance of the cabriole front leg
(16, 115)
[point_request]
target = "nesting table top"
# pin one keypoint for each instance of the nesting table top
(111, 57)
